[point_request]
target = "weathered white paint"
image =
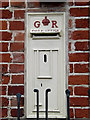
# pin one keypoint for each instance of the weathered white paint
(50, 73)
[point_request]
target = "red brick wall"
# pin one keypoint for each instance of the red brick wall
(12, 39)
(79, 59)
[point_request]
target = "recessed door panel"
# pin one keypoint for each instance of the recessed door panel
(48, 80)
(43, 64)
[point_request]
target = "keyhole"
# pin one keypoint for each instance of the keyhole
(41, 84)
(45, 58)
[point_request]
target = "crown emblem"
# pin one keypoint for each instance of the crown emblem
(45, 21)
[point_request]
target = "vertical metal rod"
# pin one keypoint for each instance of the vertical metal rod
(47, 90)
(89, 92)
(18, 105)
(37, 91)
(89, 102)
(68, 111)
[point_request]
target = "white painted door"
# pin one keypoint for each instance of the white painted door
(46, 68)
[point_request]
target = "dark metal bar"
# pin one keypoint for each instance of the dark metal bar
(89, 103)
(18, 105)
(89, 92)
(47, 90)
(68, 111)
(37, 91)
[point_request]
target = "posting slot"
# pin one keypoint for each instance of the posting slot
(36, 36)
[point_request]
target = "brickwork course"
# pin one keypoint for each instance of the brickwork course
(12, 54)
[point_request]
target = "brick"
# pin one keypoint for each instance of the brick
(5, 58)
(70, 34)
(18, 4)
(71, 90)
(5, 79)
(19, 14)
(5, 14)
(81, 68)
(3, 25)
(49, 5)
(82, 23)
(79, 12)
(3, 47)
(0, 111)
(17, 79)
(16, 68)
(16, 25)
(70, 2)
(81, 91)
(0, 103)
(70, 23)
(78, 80)
(82, 46)
(4, 4)
(19, 36)
(78, 57)
(81, 113)
(71, 68)
(14, 112)
(18, 58)
(14, 101)
(71, 113)
(3, 68)
(35, 4)
(78, 102)
(69, 47)
(79, 35)
(0, 78)
(17, 47)
(13, 90)
(5, 101)
(3, 90)
(4, 112)
(81, 2)
(5, 36)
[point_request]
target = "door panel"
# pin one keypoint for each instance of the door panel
(46, 69)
